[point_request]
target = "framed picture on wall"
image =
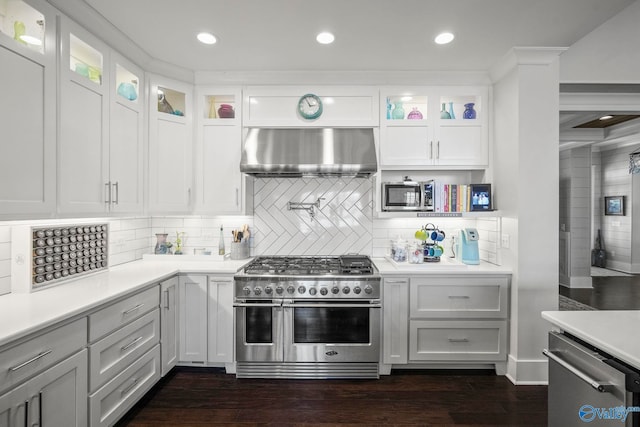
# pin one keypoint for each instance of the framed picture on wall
(614, 205)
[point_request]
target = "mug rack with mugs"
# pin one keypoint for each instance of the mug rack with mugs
(432, 238)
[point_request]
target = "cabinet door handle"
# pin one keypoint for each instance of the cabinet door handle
(167, 300)
(40, 409)
(131, 344)
(131, 310)
(237, 197)
(459, 297)
(26, 413)
(130, 386)
(28, 362)
(431, 149)
(438, 151)
(458, 339)
(117, 198)
(107, 193)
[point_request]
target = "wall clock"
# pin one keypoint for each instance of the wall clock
(310, 106)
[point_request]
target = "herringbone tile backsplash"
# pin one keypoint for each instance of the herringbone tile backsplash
(342, 224)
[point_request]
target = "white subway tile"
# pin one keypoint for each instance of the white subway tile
(5, 234)
(5, 268)
(5, 285)
(5, 251)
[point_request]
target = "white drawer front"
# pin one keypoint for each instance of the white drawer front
(471, 298)
(458, 340)
(115, 352)
(40, 352)
(117, 396)
(116, 315)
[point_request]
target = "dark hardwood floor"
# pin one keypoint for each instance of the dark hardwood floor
(608, 293)
(209, 397)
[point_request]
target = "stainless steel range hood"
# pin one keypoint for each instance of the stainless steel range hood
(296, 152)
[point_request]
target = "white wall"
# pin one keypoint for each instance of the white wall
(526, 125)
(609, 54)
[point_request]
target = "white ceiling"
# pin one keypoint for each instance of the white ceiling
(372, 35)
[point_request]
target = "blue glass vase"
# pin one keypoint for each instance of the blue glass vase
(469, 112)
(398, 111)
(443, 112)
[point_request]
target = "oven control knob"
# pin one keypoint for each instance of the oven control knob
(257, 290)
(357, 290)
(368, 289)
(291, 289)
(302, 290)
(323, 291)
(246, 290)
(335, 290)
(346, 290)
(268, 290)
(279, 290)
(313, 291)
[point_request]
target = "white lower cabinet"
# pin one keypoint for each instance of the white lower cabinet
(445, 318)
(206, 319)
(57, 397)
(116, 397)
(395, 320)
(124, 354)
(169, 323)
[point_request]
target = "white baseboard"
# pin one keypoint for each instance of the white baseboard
(527, 372)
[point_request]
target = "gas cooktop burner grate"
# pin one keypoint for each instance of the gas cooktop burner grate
(311, 266)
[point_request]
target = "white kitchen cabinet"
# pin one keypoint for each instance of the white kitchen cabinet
(193, 318)
(219, 183)
(395, 320)
(100, 162)
(419, 138)
(169, 323)
(459, 318)
(346, 106)
(206, 319)
(55, 397)
(220, 323)
(28, 112)
(170, 146)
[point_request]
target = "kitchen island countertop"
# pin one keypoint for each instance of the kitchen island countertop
(25, 313)
(612, 331)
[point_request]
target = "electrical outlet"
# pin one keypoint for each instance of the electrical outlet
(504, 241)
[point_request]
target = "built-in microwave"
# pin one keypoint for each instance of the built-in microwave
(407, 195)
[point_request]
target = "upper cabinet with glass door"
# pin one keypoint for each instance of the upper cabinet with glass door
(434, 128)
(28, 108)
(221, 107)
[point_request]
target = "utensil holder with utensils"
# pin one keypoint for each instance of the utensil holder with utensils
(239, 250)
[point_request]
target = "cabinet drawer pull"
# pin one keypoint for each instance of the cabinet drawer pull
(395, 281)
(131, 310)
(458, 339)
(130, 386)
(132, 343)
(33, 359)
(459, 297)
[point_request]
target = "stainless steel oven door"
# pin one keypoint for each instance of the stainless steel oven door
(332, 331)
(259, 331)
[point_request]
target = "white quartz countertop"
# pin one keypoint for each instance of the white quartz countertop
(615, 332)
(387, 266)
(24, 313)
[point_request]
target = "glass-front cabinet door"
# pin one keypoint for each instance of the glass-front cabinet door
(433, 127)
(28, 108)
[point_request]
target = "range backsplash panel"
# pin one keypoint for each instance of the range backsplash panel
(341, 224)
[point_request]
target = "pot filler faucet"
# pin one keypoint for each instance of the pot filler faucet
(309, 207)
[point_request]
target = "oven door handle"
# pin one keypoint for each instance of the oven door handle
(338, 305)
(257, 304)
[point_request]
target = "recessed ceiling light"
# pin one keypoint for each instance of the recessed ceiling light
(325, 38)
(444, 38)
(607, 117)
(207, 38)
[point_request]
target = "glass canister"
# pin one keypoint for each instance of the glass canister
(416, 253)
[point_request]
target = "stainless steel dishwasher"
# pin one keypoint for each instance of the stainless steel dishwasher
(588, 386)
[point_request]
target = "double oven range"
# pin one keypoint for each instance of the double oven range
(308, 317)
